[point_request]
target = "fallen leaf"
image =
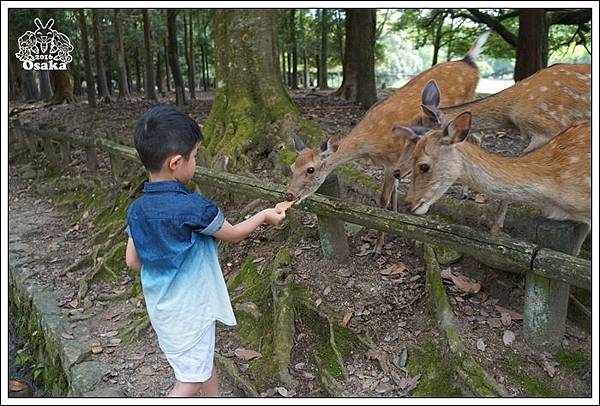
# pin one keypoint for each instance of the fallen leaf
(257, 260)
(327, 290)
(16, 386)
(481, 345)
(372, 355)
(110, 334)
(547, 362)
(74, 303)
(346, 319)
(394, 269)
(282, 391)
(97, 350)
(508, 337)
(400, 360)
(365, 249)
(67, 336)
(446, 273)
(247, 355)
(514, 315)
(479, 198)
(464, 284)
(114, 342)
(506, 319)
(318, 302)
(383, 388)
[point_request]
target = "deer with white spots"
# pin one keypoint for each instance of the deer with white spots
(373, 137)
(555, 177)
(539, 106)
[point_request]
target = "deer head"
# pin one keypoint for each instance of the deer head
(436, 162)
(310, 168)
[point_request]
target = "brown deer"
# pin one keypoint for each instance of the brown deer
(539, 106)
(555, 177)
(373, 137)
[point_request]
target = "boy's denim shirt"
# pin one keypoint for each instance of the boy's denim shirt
(184, 289)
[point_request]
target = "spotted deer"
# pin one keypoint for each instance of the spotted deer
(540, 106)
(555, 177)
(373, 137)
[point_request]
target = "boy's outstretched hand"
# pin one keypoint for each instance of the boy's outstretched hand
(274, 216)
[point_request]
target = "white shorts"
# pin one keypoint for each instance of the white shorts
(196, 363)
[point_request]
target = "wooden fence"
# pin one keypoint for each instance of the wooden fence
(549, 272)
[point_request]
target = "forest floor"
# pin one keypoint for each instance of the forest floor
(394, 311)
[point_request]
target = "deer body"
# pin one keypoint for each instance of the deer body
(539, 106)
(555, 178)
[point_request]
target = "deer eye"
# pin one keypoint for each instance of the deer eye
(310, 170)
(423, 168)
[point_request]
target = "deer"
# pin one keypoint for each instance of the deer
(539, 106)
(372, 136)
(555, 177)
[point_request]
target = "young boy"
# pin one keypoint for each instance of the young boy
(172, 240)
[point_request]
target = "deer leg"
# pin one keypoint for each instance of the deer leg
(395, 195)
(384, 203)
(581, 232)
(499, 218)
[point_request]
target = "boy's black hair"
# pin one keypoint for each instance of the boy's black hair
(163, 131)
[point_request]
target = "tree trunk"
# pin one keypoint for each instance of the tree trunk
(318, 64)
(119, 45)
(289, 69)
(323, 55)
(359, 58)
(294, 50)
(252, 112)
(159, 75)
(61, 79)
(149, 81)
(532, 48)
(15, 90)
(173, 59)
(89, 77)
(45, 86)
(76, 69)
(138, 74)
(166, 58)
(437, 41)
(305, 68)
(189, 54)
(203, 67)
(30, 86)
(100, 72)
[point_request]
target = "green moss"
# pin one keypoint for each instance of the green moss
(532, 385)
(437, 380)
(573, 360)
(350, 174)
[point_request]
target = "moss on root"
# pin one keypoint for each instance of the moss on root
(532, 385)
(437, 380)
(576, 361)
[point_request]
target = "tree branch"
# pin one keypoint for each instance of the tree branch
(570, 17)
(494, 24)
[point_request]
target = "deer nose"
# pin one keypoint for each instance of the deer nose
(289, 196)
(397, 174)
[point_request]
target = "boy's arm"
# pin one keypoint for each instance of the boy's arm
(238, 232)
(131, 257)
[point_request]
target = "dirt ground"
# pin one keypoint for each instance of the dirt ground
(394, 311)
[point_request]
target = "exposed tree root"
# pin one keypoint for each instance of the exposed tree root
(238, 378)
(135, 329)
(478, 381)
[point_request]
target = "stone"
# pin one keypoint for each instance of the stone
(249, 308)
(86, 375)
(105, 392)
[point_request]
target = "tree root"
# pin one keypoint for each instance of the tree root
(238, 378)
(478, 381)
(136, 329)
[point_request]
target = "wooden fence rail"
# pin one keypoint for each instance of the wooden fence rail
(500, 252)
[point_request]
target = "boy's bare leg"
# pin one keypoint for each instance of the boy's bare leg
(211, 387)
(185, 389)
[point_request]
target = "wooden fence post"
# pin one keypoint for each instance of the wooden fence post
(91, 160)
(331, 230)
(65, 150)
(546, 300)
(49, 149)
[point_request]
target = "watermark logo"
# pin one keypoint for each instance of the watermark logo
(44, 49)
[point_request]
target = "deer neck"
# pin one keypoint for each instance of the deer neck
(497, 176)
(355, 145)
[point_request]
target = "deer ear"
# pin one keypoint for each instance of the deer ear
(434, 114)
(431, 94)
(299, 145)
(457, 130)
(49, 24)
(38, 23)
(330, 146)
(407, 133)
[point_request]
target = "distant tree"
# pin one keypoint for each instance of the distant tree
(89, 77)
(189, 53)
(359, 59)
(323, 51)
(45, 85)
(100, 71)
(294, 44)
(173, 58)
(61, 79)
(119, 46)
(149, 71)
